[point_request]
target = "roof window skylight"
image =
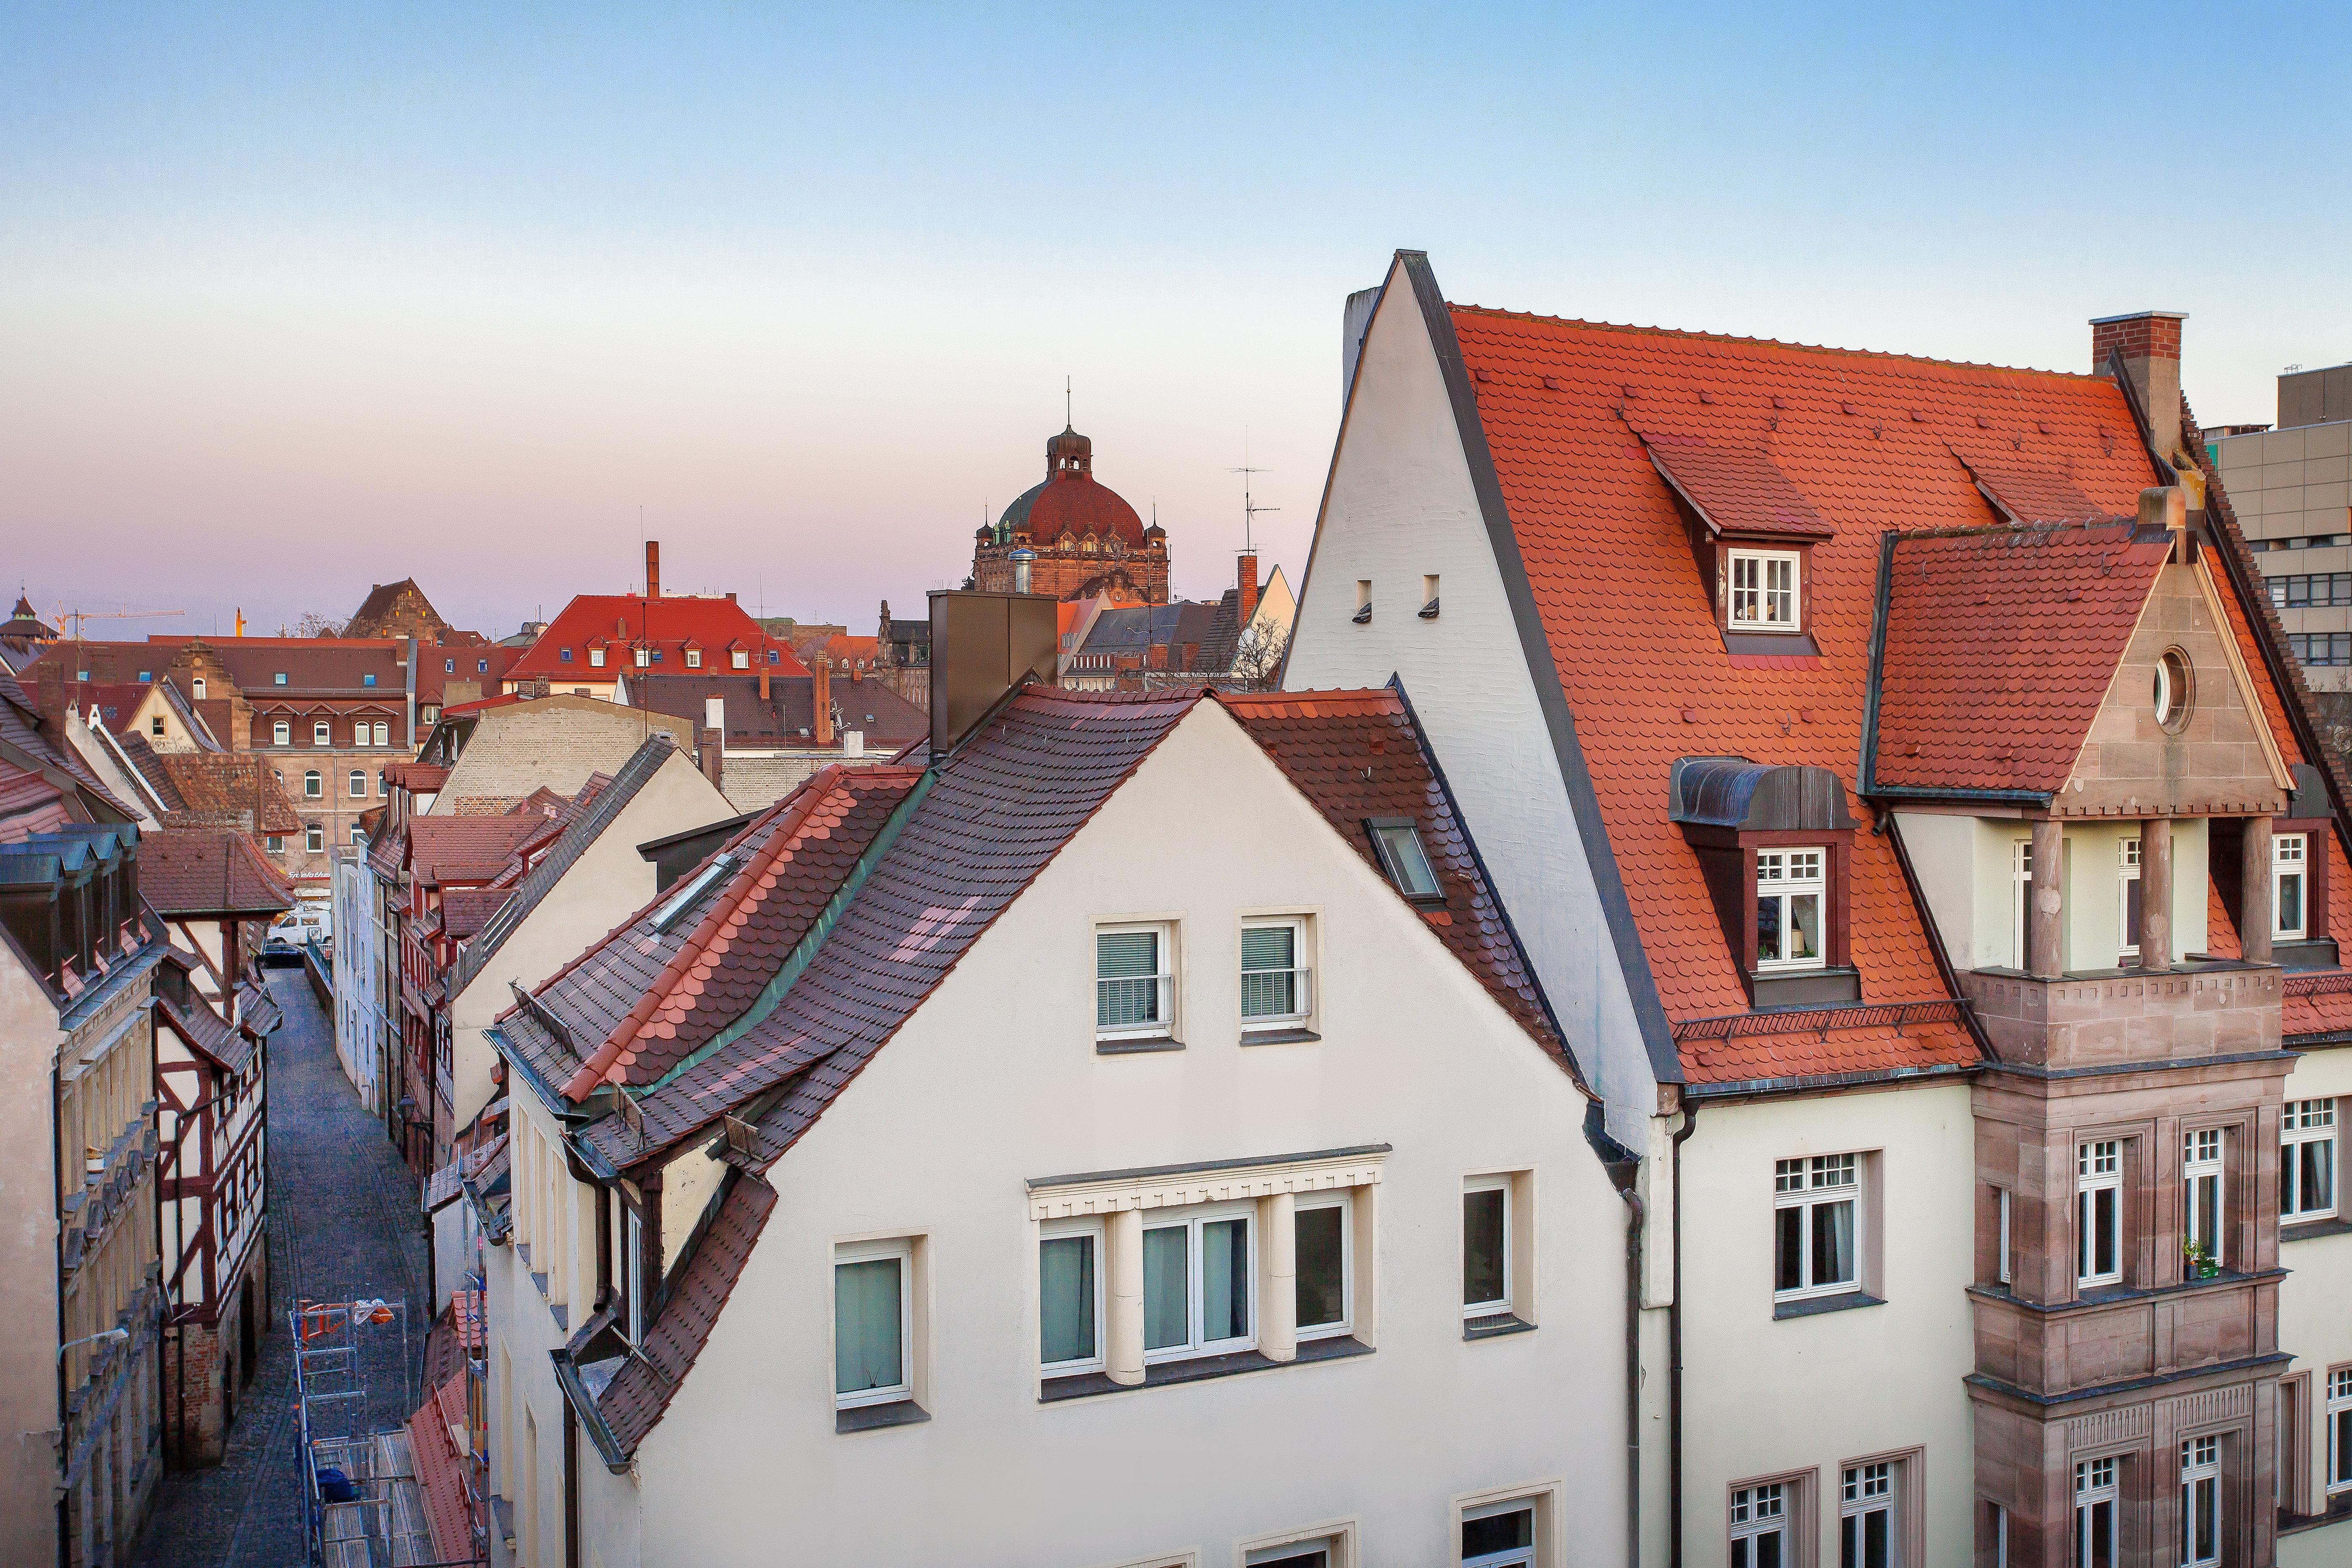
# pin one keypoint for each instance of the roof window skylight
(671, 913)
(1407, 863)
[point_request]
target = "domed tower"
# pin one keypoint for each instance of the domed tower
(1085, 538)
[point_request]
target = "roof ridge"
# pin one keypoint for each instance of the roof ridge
(1506, 314)
(2052, 525)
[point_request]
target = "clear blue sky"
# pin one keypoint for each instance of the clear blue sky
(292, 301)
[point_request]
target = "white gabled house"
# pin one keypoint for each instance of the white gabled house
(1133, 1138)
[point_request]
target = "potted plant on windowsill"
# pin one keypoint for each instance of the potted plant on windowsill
(2198, 1262)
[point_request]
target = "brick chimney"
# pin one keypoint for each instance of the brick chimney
(761, 655)
(653, 569)
(820, 702)
(2147, 342)
(1246, 577)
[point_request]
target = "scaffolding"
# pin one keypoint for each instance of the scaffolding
(365, 1505)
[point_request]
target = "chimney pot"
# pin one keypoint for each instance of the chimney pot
(653, 569)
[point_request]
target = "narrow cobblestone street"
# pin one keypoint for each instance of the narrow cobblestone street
(342, 1224)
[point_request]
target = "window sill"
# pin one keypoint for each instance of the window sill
(872, 1417)
(1813, 1307)
(1493, 1326)
(2313, 1229)
(1127, 1048)
(1199, 1369)
(1280, 1037)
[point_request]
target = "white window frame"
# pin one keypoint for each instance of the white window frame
(903, 1249)
(1164, 1025)
(742, 658)
(633, 1274)
(2306, 1122)
(1345, 1202)
(382, 733)
(1301, 971)
(322, 733)
(314, 783)
(1510, 1557)
(359, 834)
(2099, 1168)
(1812, 1183)
(314, 838)
(1193, 1219)
(643, 657)
(358, 783)
(1781, 875)
(1760, 1510)
(1504, 1305)
(1868, 1487)
(199, 684)
(595, 659)
(1760, 592)
(1061, 1229)
(2020, 901)
(694, 658)
(2289, 862)
(2204, 1191)
(2339, 1431)
(2003, 1264)
(2098, 1481)
(2200, 1483)
(2126, 878)
(281, 733)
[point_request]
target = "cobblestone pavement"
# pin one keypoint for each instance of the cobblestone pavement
(342, 1225)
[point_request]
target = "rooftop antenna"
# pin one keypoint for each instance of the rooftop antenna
(1250, 509)
(1066, 414)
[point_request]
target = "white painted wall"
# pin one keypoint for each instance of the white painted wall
(995, 1080)
(1763, 1397)
(2315, 1326)
(360, 1025)
(1401, 507)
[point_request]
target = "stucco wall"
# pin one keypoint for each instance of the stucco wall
(29, 1286)
(1764, 1397)
(995, 1080)
(1966, 867)
(1399, 508)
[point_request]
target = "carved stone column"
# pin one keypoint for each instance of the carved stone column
(2256, 917)
(2155, 894)
(2045, 944)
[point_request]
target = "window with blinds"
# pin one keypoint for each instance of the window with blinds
(1273, 972)
(1133, 994)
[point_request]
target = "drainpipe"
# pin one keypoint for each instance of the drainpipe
(58, 1260)
(1636, 1223)
(1674, 1352)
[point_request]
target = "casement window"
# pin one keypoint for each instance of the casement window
(2099, 1501)
(1764, 590)
(320, 734)
(2339, 1430)
(873, 1323)
(382, 734)
(430, 714)
(1486, 1248)
(2127, 890)
(596, 658)
(1200, 1279)
(1817, 1224)
(2099, 1212)
(2287, 885)
(1071, 1331)
(314, 784)
(198, 685)
(2307, 1160)
(314, 838)
(632, 1280)
(694, 658)
(358, 783)
(2321, 647)
(1866, 1521)
(1403, 857)
(1277, 989)
(2201, 1194)
(2021, 901)
(155, 725)
(1323, 1250)
(281, 733)
(1760, 1527)
(1499, 1535)
(1790, 888)
(274, 842)
(1135, 982)
(2201, 1502)
(741, 659)
(645, 657)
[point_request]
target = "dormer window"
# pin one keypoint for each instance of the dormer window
(1775, 844)
(596, 657)
(645, 657)
(694, 658)
(1764, 590)
(1789, 887)
(741, 659)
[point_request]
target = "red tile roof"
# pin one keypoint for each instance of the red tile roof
(623, 619)
(229, 789)
(464, 910)
(1867, 439)
(440, 1461)
(209, 871)
(2027, 493)
(466, 848)
(1736, 490)
(2000, 645)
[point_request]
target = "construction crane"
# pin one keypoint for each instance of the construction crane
(76, 617)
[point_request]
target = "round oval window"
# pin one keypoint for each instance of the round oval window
(2175, 689)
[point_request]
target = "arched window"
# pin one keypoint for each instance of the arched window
(281, 733)
(314, 784)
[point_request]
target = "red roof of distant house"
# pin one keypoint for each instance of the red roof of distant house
(480, 704)
(209, 871)
(845, 649)
(466, 848)
(1575, 414)
(622, 621)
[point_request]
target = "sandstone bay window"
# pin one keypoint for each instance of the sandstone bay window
(2201, 1502)
(2202, 1195)
(1764, 590)
(1789, 892)
(2308, 1161)
(2098, 1497)
(1866, 1521)
(1760, 1526)
(873, 1324)
(2127, 876)
(1135, 982)
(1275, 978)
(1816, 1226)
(2099, 1213)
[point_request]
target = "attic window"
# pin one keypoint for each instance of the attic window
(1402, 856)
(1764, 590)
(2176, 689)
(448, 666)
(670, 914)
(694, 658)
(596, 657)
(367, 680)
(742, 659)
(645, 657)
(278, 678)
(200, 689)
(563, 654)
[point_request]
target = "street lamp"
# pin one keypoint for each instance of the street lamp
(115, 1336)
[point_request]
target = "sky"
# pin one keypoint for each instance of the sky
(297, 300)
